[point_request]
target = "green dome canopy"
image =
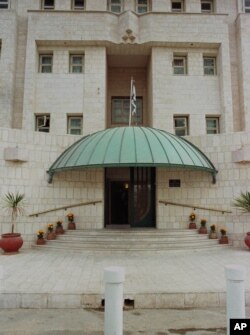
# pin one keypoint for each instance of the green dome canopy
(132, 147)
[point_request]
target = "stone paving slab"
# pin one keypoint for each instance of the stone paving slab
(82, 322)
(59, 279)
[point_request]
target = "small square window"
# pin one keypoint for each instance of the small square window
(142, 6)
(247, 6)
(177, 6)
(75, 125)
(43, 123)
(180, 65)
(48, 4)
(78, 4)
(120, 109)
(115, 6)
(212, 125)
(4, 4)
(76, 63)
(181, 125)
(207, 6)
(45, 63)
(209, 65)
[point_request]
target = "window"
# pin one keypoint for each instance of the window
(209, 65)
(4, 4)
(247, 6)
(207, 6)
(142, 6)
(180, 65)
(212, 125)
(48, 4)
(120, 111)
(76, 63)
(45, 63)
(181, 125)
(75, 125)
(178, 6)
(43, 123)
(78, 4)
(115, 6)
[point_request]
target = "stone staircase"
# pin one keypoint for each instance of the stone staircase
(132, 240)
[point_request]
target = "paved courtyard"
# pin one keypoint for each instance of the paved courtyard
(59, 285)
(58, 279)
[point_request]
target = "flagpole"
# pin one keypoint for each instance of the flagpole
(130, 102)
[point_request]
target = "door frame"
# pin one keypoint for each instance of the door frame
(131, 213)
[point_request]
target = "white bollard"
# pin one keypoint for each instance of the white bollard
(235, 276)
(113, 316)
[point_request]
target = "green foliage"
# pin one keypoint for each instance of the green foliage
(243, 202)
(15, 204)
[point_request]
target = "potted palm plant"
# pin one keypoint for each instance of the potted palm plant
(243, 203)
(14, 202)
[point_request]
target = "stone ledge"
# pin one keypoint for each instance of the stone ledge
(16, 154)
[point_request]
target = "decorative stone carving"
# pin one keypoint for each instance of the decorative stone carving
(129, 36)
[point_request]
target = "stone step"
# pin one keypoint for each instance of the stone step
(74, 247)
(132, 240)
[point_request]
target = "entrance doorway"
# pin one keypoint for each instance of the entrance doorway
(130, 197)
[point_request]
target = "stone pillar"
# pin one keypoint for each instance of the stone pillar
(235, 276)
(113, 317)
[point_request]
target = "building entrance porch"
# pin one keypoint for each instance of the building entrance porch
(130, 197)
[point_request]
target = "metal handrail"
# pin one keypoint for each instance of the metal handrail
(194, 206)
(66, 207)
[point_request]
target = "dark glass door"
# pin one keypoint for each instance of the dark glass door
(143, 197)
(119, 203)
(131, 202)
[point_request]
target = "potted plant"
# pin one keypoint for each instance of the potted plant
(40, 237)
(203, 228)
(192, 224)
(71, 222)
(59, 228)
(224, 238)
(14, 202)
(213, 233)
(243, 203)
(50, 234)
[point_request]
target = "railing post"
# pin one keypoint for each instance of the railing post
(113, 317)
(235, 276)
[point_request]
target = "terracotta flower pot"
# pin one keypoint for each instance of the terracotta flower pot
(59, 230)
(192, 225)
(223, 239)
(203, 230)
(11, 242)
(71, 225)
(247, 239)
(40, 241)
(51, 236)
(213, 235)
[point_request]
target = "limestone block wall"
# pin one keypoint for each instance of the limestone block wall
(119, 80)
(243, 30)
(31, 178)
(193, 95)
(197, 188)
(8, 36)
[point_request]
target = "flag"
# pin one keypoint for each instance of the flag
(133, 98)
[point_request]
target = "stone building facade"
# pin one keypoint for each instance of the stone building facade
(66, 65)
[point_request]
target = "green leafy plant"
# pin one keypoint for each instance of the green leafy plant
(213, 227)
(40, 233)
(14, 202)
(223, 232)
(192, 216)
(243, 202)
(203, 222)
